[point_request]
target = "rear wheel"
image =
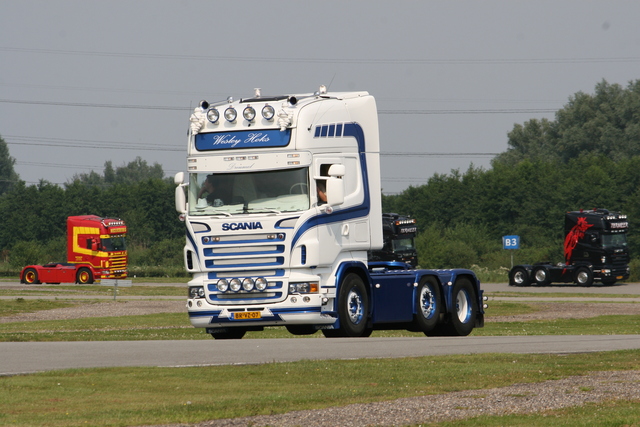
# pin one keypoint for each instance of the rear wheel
(30, 276)
(428, 305)
(519, 276)
(465, 308)
(541, 275)
(84, 276)
(583, 276)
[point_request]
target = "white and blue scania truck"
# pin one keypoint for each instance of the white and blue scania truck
(282, 202)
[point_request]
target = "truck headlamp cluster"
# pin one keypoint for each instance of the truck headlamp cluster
(247, 285)
(196, 292)
(303, 288)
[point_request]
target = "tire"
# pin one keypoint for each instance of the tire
(353, 308)
(609, 282)
(583, 276)
(541, 275)
(465, 309)
(519, 276)
(428, 305)
(229, 334)
(301, 329)
(84, 276)
(463, 319)
(30, 277)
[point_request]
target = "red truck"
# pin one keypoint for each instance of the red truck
(95, 250)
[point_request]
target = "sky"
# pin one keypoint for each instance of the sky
(85, 82)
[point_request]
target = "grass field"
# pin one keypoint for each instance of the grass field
(139, 396)
(144, 396)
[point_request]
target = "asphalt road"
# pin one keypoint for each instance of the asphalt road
(18, 357)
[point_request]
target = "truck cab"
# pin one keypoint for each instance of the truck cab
(595, 250)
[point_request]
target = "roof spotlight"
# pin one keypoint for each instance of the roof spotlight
(213, 115)
(230, 114)
(268, 112)
(249, 113)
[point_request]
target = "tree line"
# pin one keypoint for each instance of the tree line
(34, 217)
(587, 157)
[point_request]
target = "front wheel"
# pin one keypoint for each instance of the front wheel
(353, 308)
(84, 276)
(428, 305)
(583, 276)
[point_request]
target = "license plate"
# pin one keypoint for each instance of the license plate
(243, 315)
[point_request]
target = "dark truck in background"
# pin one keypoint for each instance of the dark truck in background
(595, 250)
(398, 233)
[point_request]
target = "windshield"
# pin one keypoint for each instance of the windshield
(283, 190)
(614, 240)
(405, 244)
(113, 244)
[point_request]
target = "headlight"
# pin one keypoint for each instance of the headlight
(247, 284)
(268, 112)
(303, 288)
(230, 114)
(222, 285)
(261, 284)
(249, 114)
(196, 292)
(213, 115)
(235, 285)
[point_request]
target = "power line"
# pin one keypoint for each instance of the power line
(446, 61)
(82, 143)
(383, 112)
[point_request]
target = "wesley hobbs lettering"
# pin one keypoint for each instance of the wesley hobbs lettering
(232, 141)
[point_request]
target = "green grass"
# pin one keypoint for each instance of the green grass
(21, 305)
(176, 326)
(68, 291)
(143, 396)
(609, 413)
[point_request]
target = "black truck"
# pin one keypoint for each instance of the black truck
(595, 250)
(398, 233)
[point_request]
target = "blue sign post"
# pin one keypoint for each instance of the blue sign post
(511, 242)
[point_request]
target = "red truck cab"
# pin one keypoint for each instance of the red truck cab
(96, 250)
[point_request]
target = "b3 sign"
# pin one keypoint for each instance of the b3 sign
(511, 242)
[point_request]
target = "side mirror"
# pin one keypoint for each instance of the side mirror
(335, 191)
(337, 171)
(178, 179)
(181, 199)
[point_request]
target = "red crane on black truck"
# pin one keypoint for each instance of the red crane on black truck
(595, 250)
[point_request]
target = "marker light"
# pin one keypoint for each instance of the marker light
(230, 114)
(268, 112)
(249, 114)
(213, 115)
